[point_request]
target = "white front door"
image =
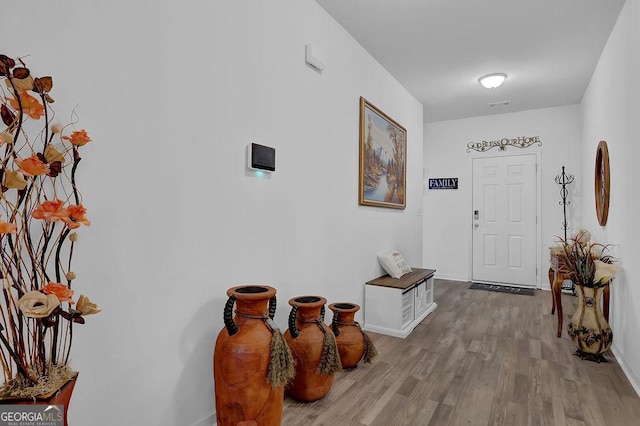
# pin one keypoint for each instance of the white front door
(504, 220)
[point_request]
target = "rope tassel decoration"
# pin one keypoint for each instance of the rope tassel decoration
(330, 358)
(281, 362)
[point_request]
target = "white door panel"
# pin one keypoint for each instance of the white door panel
(504, 229)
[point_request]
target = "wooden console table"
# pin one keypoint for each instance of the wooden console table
(395, 306)
(555, 279)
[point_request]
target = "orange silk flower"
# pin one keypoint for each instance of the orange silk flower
(61, 291)
(8, 228)
(50, 210)
(76, 214)
(30, 105)
(33, 166)
(78, 138)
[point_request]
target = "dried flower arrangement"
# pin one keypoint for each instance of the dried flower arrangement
(40, 211)
(585, 262)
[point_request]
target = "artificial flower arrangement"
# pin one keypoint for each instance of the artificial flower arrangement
(585, 262)
(40, 212)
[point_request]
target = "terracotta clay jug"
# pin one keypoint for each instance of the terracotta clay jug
(353, 343)
(313, 347)
(241, 361)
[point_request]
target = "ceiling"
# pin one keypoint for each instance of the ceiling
(438, 49)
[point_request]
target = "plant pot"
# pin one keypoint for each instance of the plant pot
(61, 396)
(242, 357)
(588, 329)
(313, 347)
(353, 343)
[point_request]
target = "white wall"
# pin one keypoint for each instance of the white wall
(611, 113)
(171, 93)
(447, 213)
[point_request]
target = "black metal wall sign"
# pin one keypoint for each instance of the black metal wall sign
(502, 144)
(443, 183)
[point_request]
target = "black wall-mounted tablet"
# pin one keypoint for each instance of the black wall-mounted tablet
(262, 157)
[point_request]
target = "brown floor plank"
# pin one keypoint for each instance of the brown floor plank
(481, 358)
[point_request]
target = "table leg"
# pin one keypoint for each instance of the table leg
(556, 290)
(553, 298)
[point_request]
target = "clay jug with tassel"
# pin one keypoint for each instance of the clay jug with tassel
(313, 347)
(354, 344)
(251, 361)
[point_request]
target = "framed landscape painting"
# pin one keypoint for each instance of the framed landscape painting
(383, 159)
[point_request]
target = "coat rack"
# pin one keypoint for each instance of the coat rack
(563, 180)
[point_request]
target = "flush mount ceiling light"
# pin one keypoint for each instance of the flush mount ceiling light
(491, 81)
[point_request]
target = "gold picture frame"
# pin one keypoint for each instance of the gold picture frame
(383, 159)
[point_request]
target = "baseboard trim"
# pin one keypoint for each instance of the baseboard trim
(631, 376)
(209, 420)
(450, 277)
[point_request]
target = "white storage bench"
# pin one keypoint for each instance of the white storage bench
(395, 306)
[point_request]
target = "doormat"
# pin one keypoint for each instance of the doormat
(503, 289)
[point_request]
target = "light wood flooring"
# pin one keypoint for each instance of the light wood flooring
(482, 358)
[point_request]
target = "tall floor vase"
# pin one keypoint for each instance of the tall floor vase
(588, 329)
(251, 361)
(314, 349)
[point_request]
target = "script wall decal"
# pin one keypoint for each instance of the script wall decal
(502, 144)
